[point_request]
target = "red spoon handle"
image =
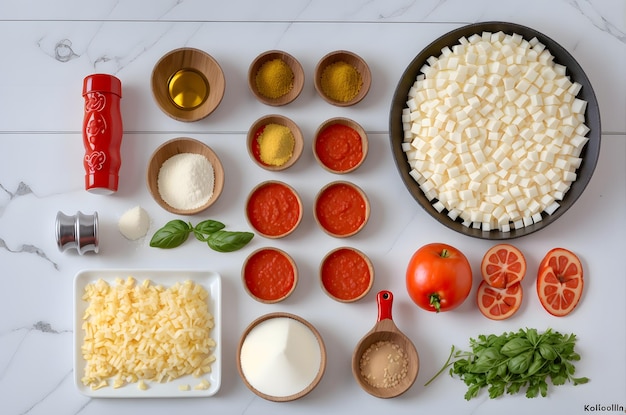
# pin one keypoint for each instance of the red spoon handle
(385, 301)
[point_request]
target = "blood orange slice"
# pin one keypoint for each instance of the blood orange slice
(499, 303)
(503, 265)
(560, 281)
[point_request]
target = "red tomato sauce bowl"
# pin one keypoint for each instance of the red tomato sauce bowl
(346, 274)
(269, 275)
(274, 209)
(340, 145)
(341, 209)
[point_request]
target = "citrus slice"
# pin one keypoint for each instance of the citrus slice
(499, 303)
(503, 265)
(560, 281)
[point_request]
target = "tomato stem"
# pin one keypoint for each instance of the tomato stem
(435, 301)
(444, 253)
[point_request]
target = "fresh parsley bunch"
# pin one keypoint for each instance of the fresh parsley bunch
(515, 360)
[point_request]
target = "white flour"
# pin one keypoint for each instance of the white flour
(186, 181)
(280, 357)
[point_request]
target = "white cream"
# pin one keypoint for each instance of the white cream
(134, 223)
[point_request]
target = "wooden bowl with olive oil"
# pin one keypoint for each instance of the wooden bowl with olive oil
(187, 84)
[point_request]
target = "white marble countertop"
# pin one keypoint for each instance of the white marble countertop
(49, 47)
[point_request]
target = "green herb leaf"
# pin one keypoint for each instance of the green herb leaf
(203, 229)
(173, 234)
(227, 241)
(513, 361)
(515, 346)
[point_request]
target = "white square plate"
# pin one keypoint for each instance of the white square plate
(210, 281)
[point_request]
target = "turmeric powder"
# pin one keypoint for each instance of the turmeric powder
(276, 144)
(274, 79)
(341, 81)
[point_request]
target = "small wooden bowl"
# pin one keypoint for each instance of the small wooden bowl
(187, 84)
(347, 149)
(385, 330)
(253, 147)
(324, 222)
(327, 280)
(306, 390)
(352, 59)
(261, 192)
(179, 146)
(248, 274)
(294, 65)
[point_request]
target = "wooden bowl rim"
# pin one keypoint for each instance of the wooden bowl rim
(283, 253)
(152, 172)
(370, 267)
(179, 59)
(295, 193)
(280, 120)
(349, 57)
(296, 68)
(355, 187)
(349, 123)
(320, 372)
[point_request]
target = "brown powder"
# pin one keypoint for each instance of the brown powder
(384, 364)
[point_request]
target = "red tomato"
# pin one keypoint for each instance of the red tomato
(499, 303)
(560, 282)
(503, 265)
(438, 277)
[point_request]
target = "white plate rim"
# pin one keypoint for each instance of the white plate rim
(209, 280)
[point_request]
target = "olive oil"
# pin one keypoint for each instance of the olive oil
(188, 89)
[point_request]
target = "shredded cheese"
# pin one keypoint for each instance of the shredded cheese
(493, 131)
(145, 332)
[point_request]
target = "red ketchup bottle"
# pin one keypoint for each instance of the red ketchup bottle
(102, 133)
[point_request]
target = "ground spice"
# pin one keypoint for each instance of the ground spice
(384, 364)
(276, 144)
(341, 81)
(274, 79)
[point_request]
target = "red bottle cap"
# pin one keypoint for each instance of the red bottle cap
(102, 83)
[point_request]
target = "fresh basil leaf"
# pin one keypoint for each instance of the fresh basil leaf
(547, 351)
(228, 241)
(515, 346)
(520, 363)
(173, 234)
(203, 229)
(537, 363)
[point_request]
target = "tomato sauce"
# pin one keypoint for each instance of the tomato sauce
(256, 148)
(345, 274)
(341, 210)
(339, 147)
(269, 275)
(274, 209)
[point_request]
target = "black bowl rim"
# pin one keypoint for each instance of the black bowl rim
(589, 154)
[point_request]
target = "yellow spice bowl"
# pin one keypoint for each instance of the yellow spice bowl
(351, 59)
(254, 149)
(291, 62)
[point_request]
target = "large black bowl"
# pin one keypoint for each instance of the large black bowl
(592, 119)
